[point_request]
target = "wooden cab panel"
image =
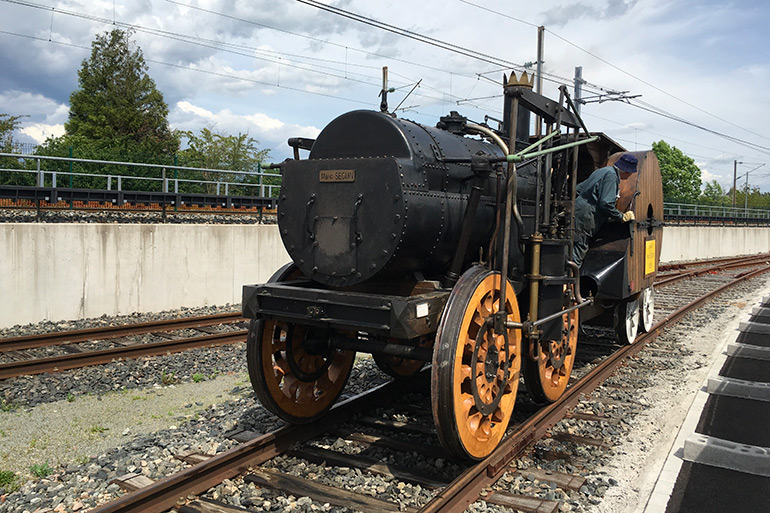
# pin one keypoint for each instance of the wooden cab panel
(642, 192)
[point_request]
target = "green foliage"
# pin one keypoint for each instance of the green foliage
(8, 125)
(70, 397)
(213, 150)
(116, 114)
(96, 429)
(198, 377)
(167, 378)
(117, 100)
(681, 177)
(41, 469)
(713, 194)
(9, 481)
(7, 406)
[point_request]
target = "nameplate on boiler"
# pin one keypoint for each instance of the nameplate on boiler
(337, 175)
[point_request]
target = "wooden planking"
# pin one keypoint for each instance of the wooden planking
(524, 503)
(131, 482)
(300, 487)
(397, 424)
(192, 457)
(318, 455)
(590, 417)
(647, 182)
(203, 505)
(430, 451)
(580, 440)
(563, 481)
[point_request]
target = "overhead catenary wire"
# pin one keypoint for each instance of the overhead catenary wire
(595, 56)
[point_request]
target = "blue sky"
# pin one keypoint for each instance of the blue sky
(281, 68)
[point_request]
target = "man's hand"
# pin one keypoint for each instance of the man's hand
(628, 216)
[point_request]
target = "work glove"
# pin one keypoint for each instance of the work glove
(628, 216)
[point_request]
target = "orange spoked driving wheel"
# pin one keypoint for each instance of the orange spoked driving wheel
(475, 371)
(294, 383)
(547, 376)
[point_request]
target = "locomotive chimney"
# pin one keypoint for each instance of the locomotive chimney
(513, 87)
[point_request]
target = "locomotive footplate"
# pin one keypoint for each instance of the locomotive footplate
(402, 317)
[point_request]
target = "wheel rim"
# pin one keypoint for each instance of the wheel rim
(632, 321)
(627, 323)
(648, 309)
(557, 357)
(301, 384)
(475, 393)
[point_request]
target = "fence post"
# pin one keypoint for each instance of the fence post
(71, 171)
(109, 182)
(120, 183)
(165, 181)
(39, 175)
(53, 179)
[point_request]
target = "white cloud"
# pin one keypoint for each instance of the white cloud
(272, 133)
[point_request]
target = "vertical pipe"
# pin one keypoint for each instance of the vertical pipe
(510, 199)
(39, 175)
(578, 87)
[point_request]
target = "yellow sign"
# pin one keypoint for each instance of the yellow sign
(649, 256)
(337, 175)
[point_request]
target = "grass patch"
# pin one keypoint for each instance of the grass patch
(198, 377)
(9, 481)
(95, 429)
(41, 470)
(167, 378)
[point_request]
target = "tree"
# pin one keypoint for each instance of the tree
(681, 177)
(213, 150)
(117, 102)
(116, 114)
(8, 125)
(714, 194)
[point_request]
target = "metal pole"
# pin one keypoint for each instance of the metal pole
(539, 81)
(39, 175)
(578, 87)
(735, 178)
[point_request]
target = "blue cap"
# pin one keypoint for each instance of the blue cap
(626, 163)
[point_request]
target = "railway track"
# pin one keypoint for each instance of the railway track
(18, 363)
(267, 460)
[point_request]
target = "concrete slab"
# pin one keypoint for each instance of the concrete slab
(754, 327)
(717, 452)
(731, 387)
(748, 351)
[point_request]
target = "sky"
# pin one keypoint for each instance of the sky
(698, 70)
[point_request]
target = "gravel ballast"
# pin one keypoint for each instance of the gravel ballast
(173, 421)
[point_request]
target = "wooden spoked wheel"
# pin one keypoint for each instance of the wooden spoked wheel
(627, 321)
(398, 367)
(293, 383)
(475, 371)
(289, 380)
(647, 309)
(547, 376)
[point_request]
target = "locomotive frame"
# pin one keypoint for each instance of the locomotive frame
(355, 285)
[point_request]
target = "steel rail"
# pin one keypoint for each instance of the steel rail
(711, 261)
(466, 489)
(164, 494)
(755, 260)
(73, 336)
(72, 361)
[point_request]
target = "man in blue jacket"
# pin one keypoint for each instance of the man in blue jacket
(595, 203)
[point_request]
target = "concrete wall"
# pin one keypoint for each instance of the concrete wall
(69, 271)
(697, 242)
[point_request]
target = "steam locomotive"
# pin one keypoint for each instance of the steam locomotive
(450, 245)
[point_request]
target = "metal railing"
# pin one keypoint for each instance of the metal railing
(117, 180)
(717, 215)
